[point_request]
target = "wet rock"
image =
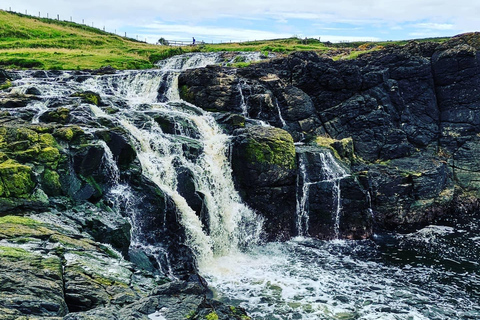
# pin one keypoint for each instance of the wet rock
(330, 195)
(104, 70)
(230, 121)
(60, 115)
(264, 168)
(89, 97)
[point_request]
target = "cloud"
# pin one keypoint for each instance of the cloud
(434, 26)
(375, 17)
(209, 32)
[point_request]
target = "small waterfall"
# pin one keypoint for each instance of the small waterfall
(284, 124)
(331, 172)
(303, 187)
(241, 86)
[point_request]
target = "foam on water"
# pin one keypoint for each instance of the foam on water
(308, 279)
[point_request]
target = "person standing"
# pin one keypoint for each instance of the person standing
(193, 40)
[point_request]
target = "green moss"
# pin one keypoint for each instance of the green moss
(23, 133)
(10, 230)
(15, 253)
(273, 147)
(7, 84)
(59, 115)
(89, 97)
(185, 94)
(47, 139)
(68, 133)
(49, 154)
(191, 314)
(19, 220)
(341, 148)
(15, 179)
(212, 316)
(85, 244)
(51, 182)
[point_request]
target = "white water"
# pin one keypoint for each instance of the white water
(302, 215)
(284, 124)
(331, 172)
(231, 223)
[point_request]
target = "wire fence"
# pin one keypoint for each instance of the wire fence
(47, 15)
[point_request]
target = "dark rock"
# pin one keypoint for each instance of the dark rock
(334, 201)
(33, 91)
(59, 115)
(230, 121)
(104, 70)
(263, 156)
(264, 168)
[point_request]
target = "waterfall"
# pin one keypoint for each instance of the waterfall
(284, 124)
(242, 85)
(303, 187)
(171, 137)
(331, 172)
(231, 224)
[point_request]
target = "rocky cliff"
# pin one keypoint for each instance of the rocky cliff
(404, 121)
(319, 148)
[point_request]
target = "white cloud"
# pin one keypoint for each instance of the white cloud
(440, 15)
(208, 32)
(434, 26)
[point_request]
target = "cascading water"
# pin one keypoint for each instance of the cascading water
(332, 173)
(430, 274)
(230, 222)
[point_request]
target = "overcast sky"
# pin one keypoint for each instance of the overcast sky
(224, 20)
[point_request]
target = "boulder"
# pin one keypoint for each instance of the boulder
(264, 168)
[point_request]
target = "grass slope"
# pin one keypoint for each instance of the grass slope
(40, 43)
(27, 42)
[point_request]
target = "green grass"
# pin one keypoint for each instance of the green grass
(27, 42)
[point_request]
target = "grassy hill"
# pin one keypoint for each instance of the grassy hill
(29, 42)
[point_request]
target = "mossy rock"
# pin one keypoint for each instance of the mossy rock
(19, 227)
(342, 149)
(77, 244)
(68, 133)
(264, 156)
(51, 182)
(6, 85)
(59, 115)
(89, 97)
(186, 94)
(15, 179)
(271, 146)
(49, 154)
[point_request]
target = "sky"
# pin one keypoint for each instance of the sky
(225, 21)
